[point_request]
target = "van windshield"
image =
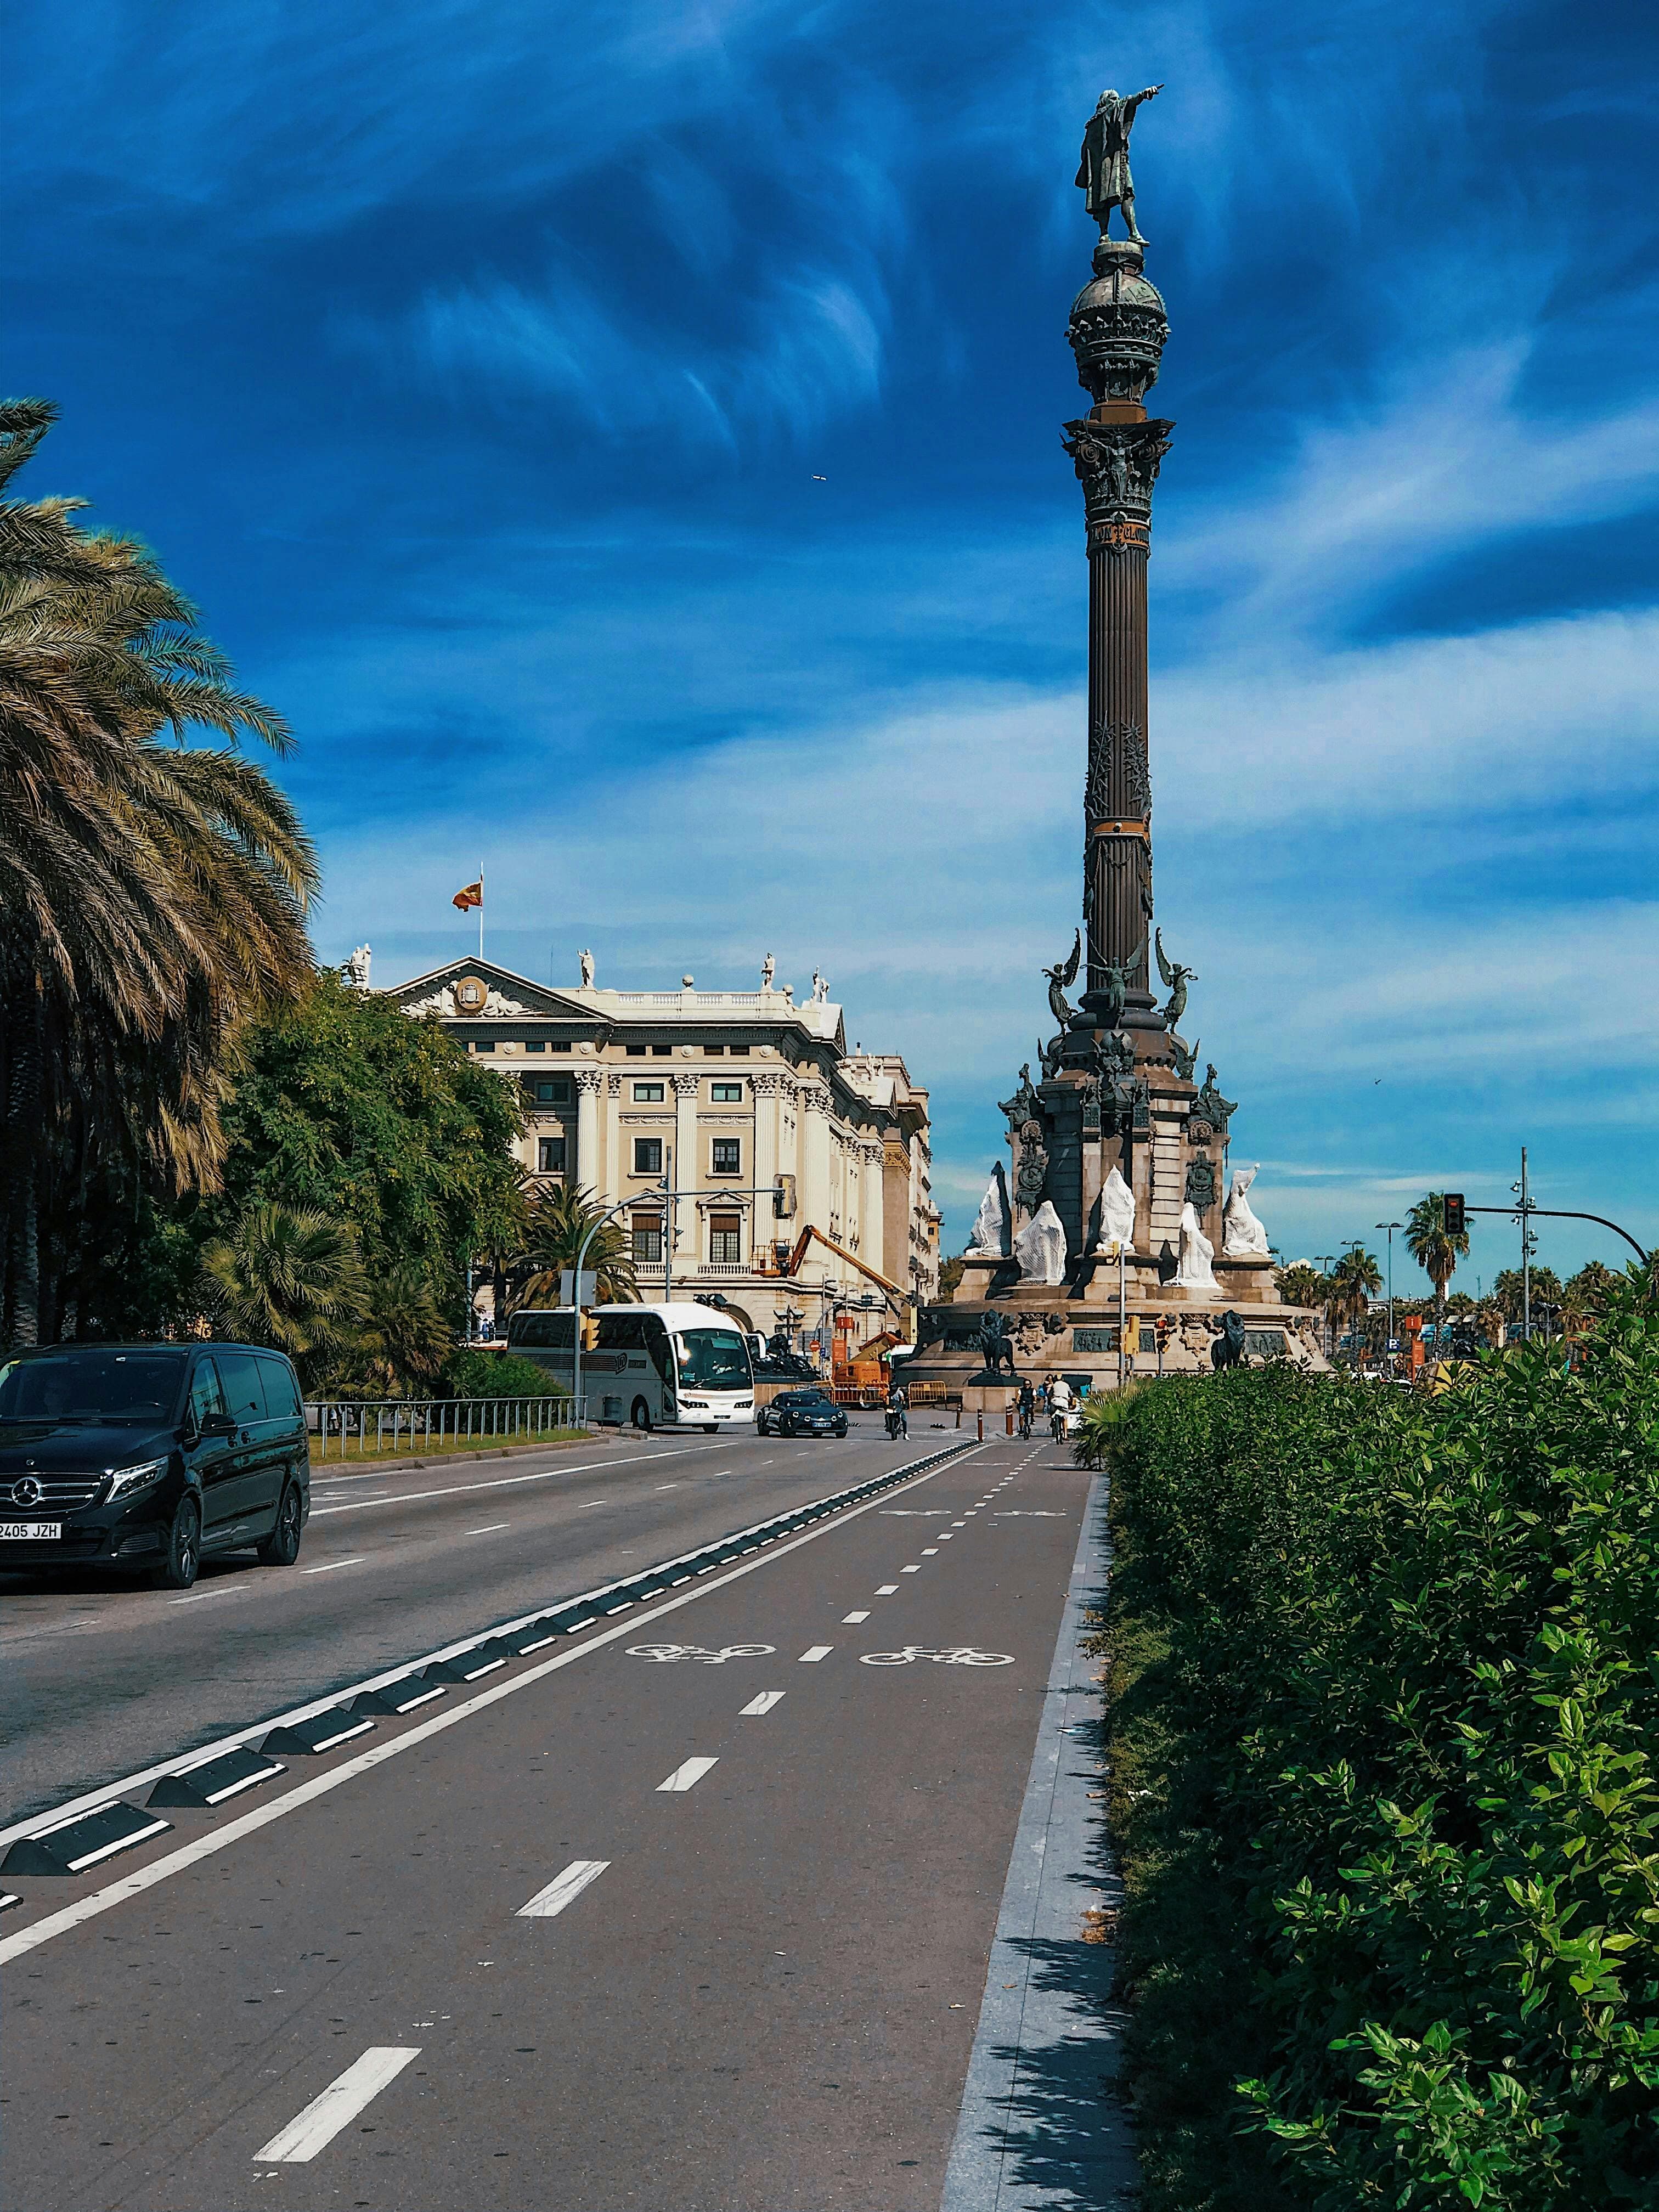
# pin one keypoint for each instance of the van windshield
(712, 1359)
(92, 1385)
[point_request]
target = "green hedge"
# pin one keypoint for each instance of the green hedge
(1383, 1677)
(469, 1374)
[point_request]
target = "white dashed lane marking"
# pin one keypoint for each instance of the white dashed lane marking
(490, 1529)
(315, 2128)
(888, 1589)
(813, 1653)
(762, 1704)
(848, 1618)
(546, 1902)
(330, 1566)
(688, 1774)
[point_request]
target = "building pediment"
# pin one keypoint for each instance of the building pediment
(482, 990)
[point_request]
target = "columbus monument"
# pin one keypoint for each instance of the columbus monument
(1116, 1241)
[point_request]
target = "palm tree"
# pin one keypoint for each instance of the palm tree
(152, 897)
(1356, 1279)
(1436, 1251)
(560, 1217)
(293, 1279)
(409, 1339)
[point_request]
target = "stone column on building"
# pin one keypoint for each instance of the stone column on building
(813, 1138)
(768, 1092)
(615, 1165)
(872, 1208)
(587, 1169)
(688, 1254)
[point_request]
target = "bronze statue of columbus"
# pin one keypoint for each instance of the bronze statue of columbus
(1103, 171)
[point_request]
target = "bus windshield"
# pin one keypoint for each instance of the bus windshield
(712, 1359)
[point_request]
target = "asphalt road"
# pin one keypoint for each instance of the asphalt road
(765, 1873)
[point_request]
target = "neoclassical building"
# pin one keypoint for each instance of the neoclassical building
(753, 1111)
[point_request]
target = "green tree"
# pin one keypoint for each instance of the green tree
(152, 895)
(291, 1278)
(560, 1218)
(1302, 1283)
(1506, 1291)
(1431, 1245)
(950, 1276)
(1355, 1280)
(1588, 1291)
(345, 1106)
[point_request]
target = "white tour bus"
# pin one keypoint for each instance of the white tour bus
(668, 1366)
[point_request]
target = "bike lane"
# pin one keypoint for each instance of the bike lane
(757, 1987)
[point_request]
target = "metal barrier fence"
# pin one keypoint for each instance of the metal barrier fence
(382, 1424)
(872, 1396)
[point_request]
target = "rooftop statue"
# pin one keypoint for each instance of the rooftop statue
(1061, 976)
(1177, 978)
(1103, 171)
(1113, 992)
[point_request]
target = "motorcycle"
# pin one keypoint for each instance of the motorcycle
(895, 1424)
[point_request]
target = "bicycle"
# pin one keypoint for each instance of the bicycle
(665, 1654)
(952, 1655)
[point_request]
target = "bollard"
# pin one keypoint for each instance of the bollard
(980, 1418)
(1008, 1416)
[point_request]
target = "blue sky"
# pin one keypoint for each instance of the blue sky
(474, 370)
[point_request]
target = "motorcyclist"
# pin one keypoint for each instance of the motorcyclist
(1027, 1406)
(1060, 1405)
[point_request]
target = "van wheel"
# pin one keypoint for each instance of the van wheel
(281, 1547)
(184, 1546)
(640, 1415)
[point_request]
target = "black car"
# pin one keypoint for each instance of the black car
(144, 1457)
(802, 1414)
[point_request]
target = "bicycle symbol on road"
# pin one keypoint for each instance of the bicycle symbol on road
(954, 1655)
(666, 1653)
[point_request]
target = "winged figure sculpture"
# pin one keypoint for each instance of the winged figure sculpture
(1177, 978)
(1061, 976)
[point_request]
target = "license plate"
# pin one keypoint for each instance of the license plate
(25, 1532)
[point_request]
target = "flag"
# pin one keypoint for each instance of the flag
(472, 895)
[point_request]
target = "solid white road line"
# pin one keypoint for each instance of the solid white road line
(688, 1774)
(560, 1891)
(848, 1618)
(328, 1568)
(222, 1840)
(505, 1481)
(762, 1704)
(488, 1529)
(315, 2128)
(813, 1653)
(888, 1589)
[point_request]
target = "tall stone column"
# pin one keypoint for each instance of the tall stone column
(814, 1142)
(588, 1082)
(1117, 332)
(688, 1174)
(768, 1091)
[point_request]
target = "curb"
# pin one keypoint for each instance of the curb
(326, 1467)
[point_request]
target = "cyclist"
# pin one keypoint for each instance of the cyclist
(898, 1410)
(1060, 1405)
(1027, 1402)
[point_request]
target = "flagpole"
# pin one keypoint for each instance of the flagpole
(480, 909)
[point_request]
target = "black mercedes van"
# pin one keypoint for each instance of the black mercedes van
(145, 1457)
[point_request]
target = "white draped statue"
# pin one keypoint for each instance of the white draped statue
(1246, 1237)
(1117, 1214)
(1040, 1247)
(1193, 1272)
(991, 1223)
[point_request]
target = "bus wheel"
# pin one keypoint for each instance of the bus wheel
(641, 1414)
(711, 1428)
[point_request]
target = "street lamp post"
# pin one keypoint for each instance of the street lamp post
(1390, 1226)
(1327, 1262)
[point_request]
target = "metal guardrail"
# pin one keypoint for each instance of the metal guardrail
(454, 1422)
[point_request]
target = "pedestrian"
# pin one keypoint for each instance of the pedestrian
(1026, 1402)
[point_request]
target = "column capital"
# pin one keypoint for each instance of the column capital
(590, 1079)
(685, 1086)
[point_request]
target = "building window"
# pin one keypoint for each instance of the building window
(647, 1094)
(635, 1051)
(535, 1044)
(481, 1044)
(726, 1157)
(647, 1240)
(550, 1089)
(550, 1155)
(726, 1239)
(726, 1094)
(714, 1050)
(647, 1156)
(662, 1052)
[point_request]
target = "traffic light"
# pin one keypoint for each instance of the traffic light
(589, 1332)
(783, 1197)
(1453, 1204)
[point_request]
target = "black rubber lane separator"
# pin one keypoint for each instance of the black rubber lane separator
(72, 1846)
(534, 1636)
(467, 1666)
(395, 1697)
(321, 1733)
(215, 1779)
